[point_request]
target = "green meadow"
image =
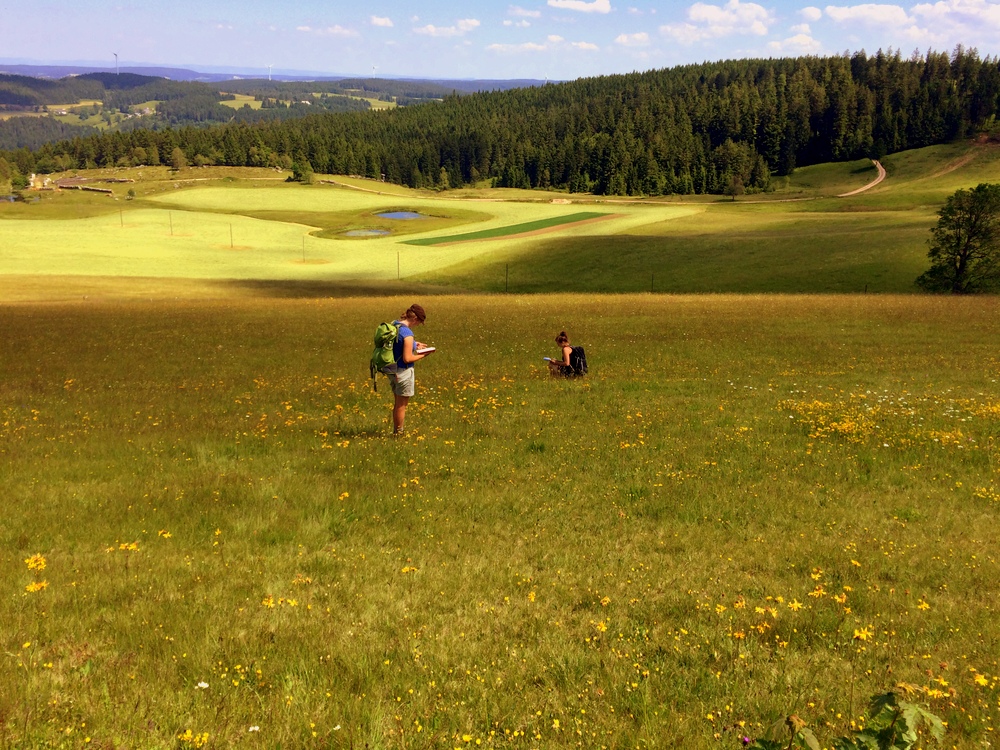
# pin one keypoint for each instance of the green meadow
(241, 100)
(514, 229)
(753, 506)
(773, 494)
(217, 224)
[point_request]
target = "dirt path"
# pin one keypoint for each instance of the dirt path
(873, 183)
(957, 164)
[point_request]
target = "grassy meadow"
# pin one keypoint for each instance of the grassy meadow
(753, 506)
(774, 494)
(249, 224)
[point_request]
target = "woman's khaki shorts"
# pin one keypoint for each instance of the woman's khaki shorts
(402, 382)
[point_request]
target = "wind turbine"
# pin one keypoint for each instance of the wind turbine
(269, 71)
(116, 62)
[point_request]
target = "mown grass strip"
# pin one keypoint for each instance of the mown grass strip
(488, 234)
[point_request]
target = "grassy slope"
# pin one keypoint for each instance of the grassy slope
(136, 238)
(755, 505)
(795, 240)
(241, 100)
(672, 553)
(799, 239)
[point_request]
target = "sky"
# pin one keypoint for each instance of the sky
(460, 39)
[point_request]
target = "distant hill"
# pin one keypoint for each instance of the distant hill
(82, 103)
(65, 71)
(187, 74)
(726, 127)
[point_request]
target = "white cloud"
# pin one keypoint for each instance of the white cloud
(522, 24)
(459, 29)
(336, 30)
(519, 12)
(633, 40)
(732, 16)
(552, 42)
(706, 21)
(595, 6)
(432, 30)
(811, 14)
(526, 47)
(800, 44)
(802, 28)
(964, 18)
(379, 21)
(869, 14)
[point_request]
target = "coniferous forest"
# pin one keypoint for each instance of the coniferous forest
(690, 129)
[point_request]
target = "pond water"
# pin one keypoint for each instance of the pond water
(401, 215)
(367, 233)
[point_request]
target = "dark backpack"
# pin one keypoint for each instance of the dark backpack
(578, 361)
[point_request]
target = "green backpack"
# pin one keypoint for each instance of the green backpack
(382, 356)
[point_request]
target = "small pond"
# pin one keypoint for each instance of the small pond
(401, 215)
(367, 233)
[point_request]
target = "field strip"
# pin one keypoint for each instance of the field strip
(206, 233)
(526, 229)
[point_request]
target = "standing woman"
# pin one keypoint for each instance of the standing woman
(562, 366)
(406, 350)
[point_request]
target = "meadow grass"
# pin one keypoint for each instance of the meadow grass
(742, 249)
(81, 103)
(242, 100)
(11, 115)
(828, 179)
(530, 226)
(752, 506)
(256, 230)
(799, 239)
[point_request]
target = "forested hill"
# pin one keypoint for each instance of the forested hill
(36, 111)
(693, 129)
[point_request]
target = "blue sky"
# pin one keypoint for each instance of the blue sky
(541, 39)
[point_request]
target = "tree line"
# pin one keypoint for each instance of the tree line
(708, 128)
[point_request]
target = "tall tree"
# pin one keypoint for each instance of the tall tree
(177, 158)
(965, 243)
